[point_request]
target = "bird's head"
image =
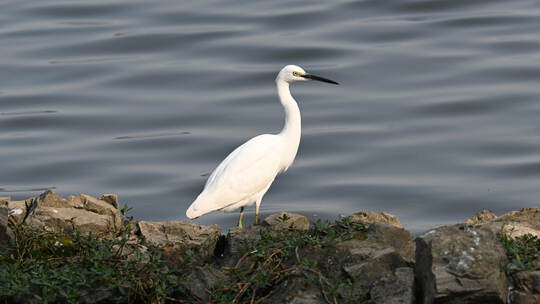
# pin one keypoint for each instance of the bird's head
(293, 73)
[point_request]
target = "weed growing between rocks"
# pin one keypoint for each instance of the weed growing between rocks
(280, 258)
(52, 266)
(523, 252)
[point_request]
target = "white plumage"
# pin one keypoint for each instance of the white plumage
(245, 175)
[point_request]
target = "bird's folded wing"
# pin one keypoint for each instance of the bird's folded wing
(249, 169)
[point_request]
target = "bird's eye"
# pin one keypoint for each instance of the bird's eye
(295, 73)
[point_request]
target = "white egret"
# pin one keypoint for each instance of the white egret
(245, 175)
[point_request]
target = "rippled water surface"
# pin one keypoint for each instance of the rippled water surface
(437, 115)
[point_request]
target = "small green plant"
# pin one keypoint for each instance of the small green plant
(125, 209)
(523, 252)
(283, 218)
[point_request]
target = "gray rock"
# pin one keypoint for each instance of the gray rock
(381, 262)
(395, 289)
(111, 199)
(380, 266)
(362, 252)
(296, 290)
(5, 232)
(201, 281)
(97, 206)
(524, 284)
(285, 220)
(235, 240)
(179, 234)
(70, 219)
(365, 216)
(518, 297)
(459, 264)
(527, 282)
(380, 236)
(381, 256)
(51, 199)
(517, 223)
(529, 215)
(52, 212)
(481, 217)
(392, 236)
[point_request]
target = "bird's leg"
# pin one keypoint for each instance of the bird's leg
(257, 205)
(240, 218)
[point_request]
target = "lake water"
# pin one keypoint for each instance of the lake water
(437, 115)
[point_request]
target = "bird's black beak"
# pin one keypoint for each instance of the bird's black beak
(315, 77)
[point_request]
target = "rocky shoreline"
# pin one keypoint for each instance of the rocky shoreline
(367, 257)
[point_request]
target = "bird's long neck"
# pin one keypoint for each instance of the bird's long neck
(292, 128)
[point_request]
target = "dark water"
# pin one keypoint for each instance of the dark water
(437, 115)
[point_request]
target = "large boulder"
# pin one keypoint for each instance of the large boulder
(381, 262)
(462, 263)
(459, 264)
